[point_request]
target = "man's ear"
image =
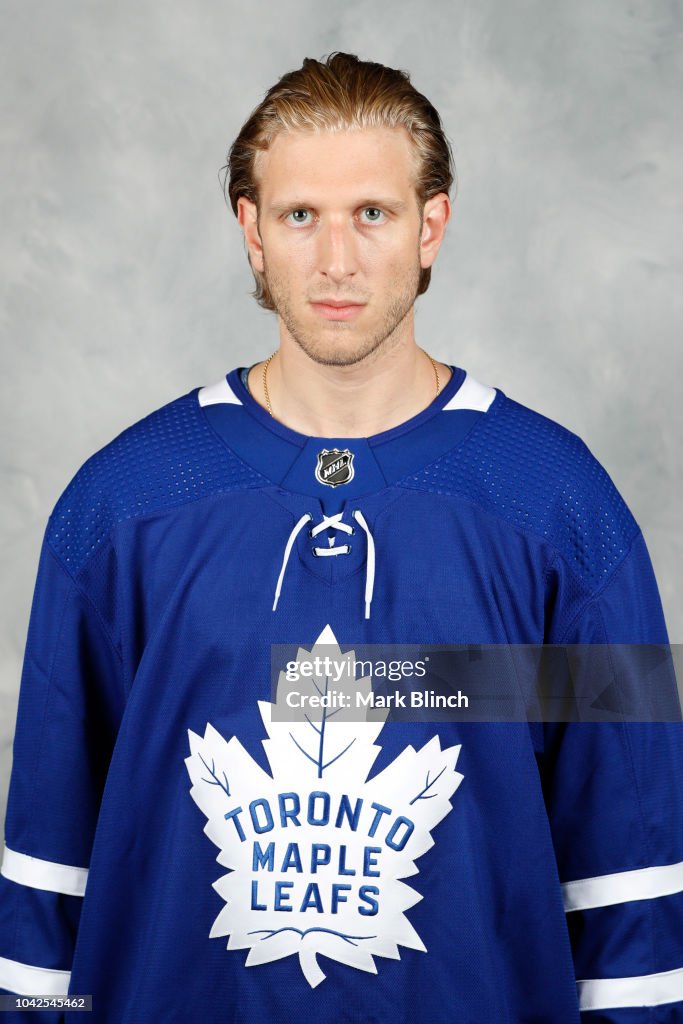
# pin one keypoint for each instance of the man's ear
(247, 215)
(435, 217)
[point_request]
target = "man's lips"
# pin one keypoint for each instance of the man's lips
(338, 309)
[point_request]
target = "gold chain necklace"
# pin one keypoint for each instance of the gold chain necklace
(270, 357)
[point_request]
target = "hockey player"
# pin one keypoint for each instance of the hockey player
(176, 848)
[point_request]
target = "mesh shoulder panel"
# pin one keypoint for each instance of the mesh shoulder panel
(165, 459)
(540, 477)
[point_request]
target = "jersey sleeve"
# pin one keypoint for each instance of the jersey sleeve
(70, 702)
(614, 794)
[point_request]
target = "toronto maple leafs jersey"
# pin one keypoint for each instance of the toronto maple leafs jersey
(178, 853)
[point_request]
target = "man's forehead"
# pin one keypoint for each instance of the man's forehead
(365, 158)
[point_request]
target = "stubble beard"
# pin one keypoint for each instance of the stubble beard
(353, 345)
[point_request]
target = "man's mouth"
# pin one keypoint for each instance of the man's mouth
(338, 309)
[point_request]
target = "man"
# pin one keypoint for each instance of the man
(180, 852)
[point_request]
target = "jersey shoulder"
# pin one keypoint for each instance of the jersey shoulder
(540, 477)
(167, 458)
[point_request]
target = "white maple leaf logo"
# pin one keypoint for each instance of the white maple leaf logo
(316, 852)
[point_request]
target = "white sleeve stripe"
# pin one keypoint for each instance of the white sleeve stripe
(25, 980)
(43, 874)
(623, 887)
(471, 395)
(647, 990)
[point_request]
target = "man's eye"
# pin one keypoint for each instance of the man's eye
(298, 216)
(375, 215)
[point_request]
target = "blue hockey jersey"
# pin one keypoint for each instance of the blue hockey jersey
(177, 853)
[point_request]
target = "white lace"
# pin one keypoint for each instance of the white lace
(332, 522)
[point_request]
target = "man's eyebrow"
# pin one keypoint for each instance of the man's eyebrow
(393, 205)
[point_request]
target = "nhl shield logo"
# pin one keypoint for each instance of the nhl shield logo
(335, 466)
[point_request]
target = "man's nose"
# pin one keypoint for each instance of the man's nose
(337, 249)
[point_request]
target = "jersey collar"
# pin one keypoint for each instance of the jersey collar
(340, 468)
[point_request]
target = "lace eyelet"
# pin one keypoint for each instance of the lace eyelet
(348, 548)
(353, 531)
(315, 553)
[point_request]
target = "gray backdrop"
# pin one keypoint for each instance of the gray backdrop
(125, 282)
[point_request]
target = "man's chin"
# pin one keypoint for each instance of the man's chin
(333, 347)
(339, 354)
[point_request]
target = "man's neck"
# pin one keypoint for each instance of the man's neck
(382, 391)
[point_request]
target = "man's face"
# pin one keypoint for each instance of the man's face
(338, 221)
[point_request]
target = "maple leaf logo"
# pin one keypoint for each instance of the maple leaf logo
(316, 852)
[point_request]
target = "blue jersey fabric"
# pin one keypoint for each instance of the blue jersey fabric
(176, 853)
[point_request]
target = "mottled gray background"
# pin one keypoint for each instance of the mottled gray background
(124, 280)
